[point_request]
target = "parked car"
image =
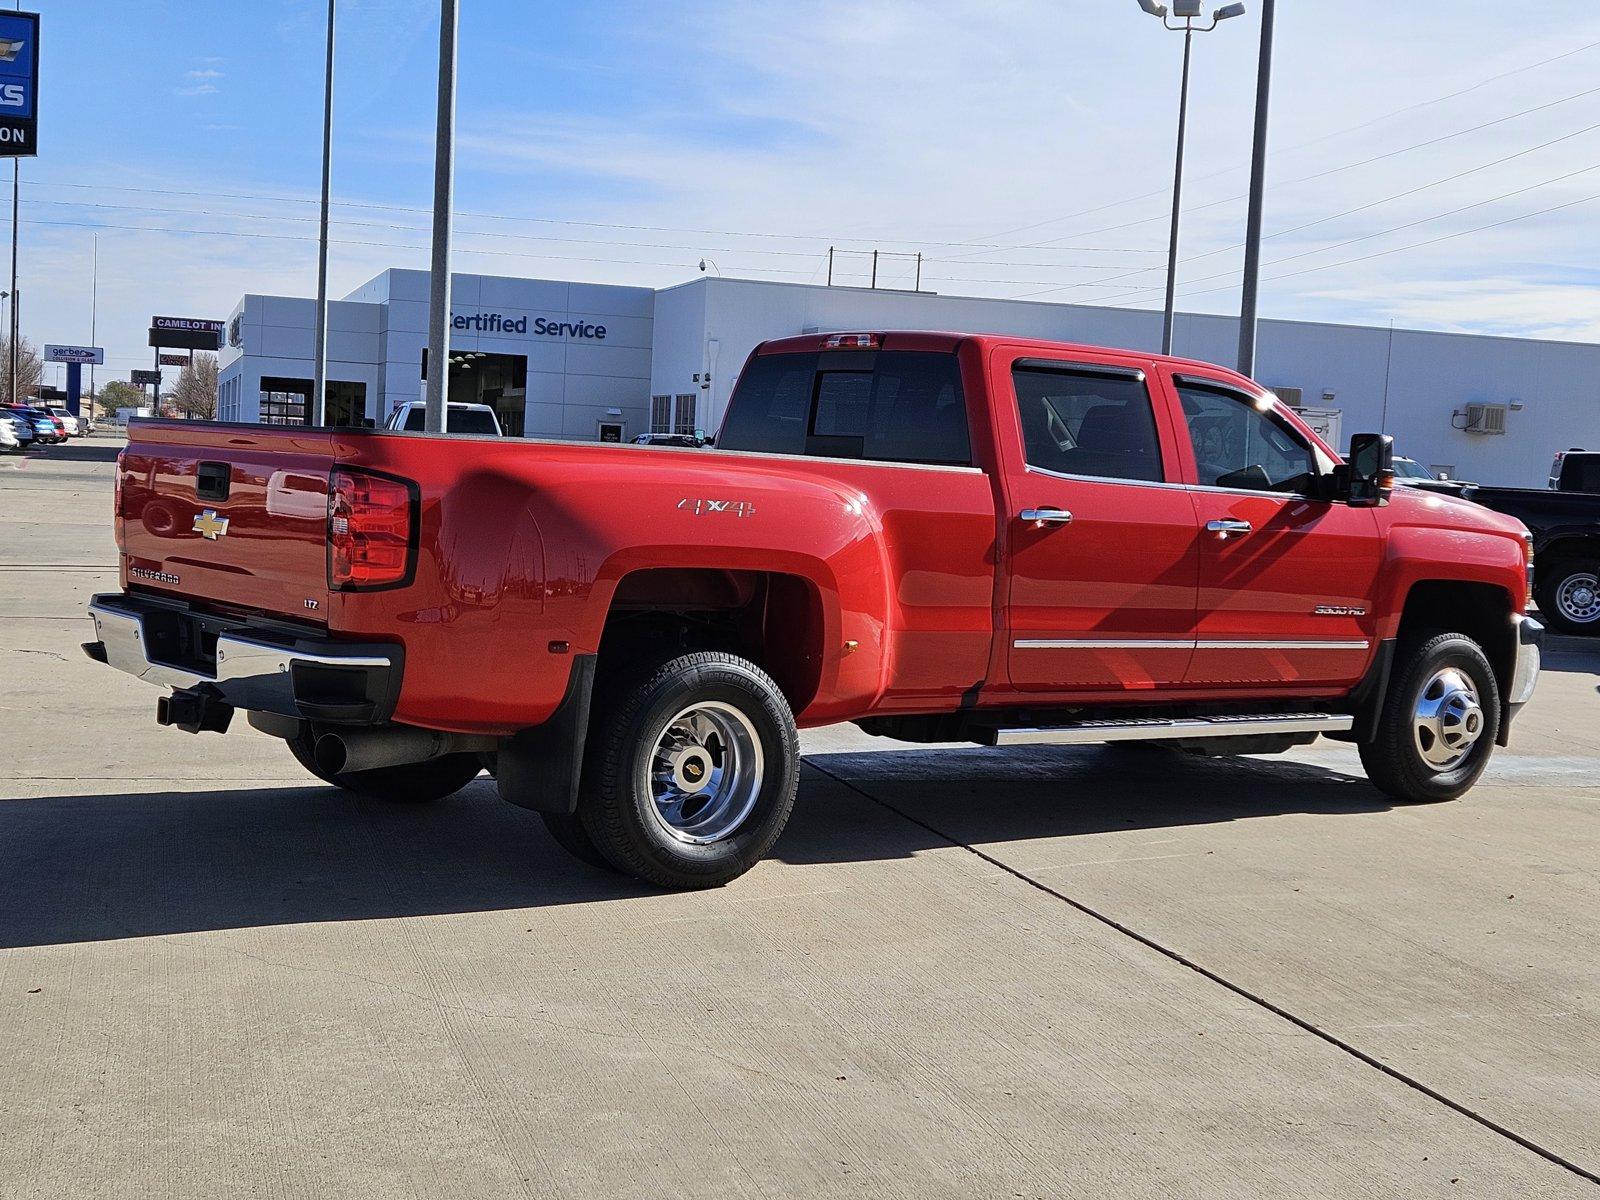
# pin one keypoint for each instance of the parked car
(20, 426)
(1564, 517)
(1408, 472)
(45, 430)
(68, 422)
(690, 441)
(939, 537)
(412, 417)
(9, 442)
(1575, 470)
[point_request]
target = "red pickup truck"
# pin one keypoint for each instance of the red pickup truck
(939, 537)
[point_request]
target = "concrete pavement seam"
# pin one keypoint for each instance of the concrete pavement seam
(1237, 989)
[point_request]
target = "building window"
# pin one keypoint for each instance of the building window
(284, 401)
(685, 422)
(660, 414)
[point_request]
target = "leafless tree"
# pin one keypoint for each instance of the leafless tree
(30, 370)
(196, 394)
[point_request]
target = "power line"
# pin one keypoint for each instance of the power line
(1350, 166)
(1367, 237)
(1349, 211)
(507, 217)
(167, 229)
(1413, 245)
(1303, 145)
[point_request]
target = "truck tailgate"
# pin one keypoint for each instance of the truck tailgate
(227, 514)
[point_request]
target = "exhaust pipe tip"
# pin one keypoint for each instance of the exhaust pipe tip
(331, 754)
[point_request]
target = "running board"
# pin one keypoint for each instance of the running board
(1088, 732)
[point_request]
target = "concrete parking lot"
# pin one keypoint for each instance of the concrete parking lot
(1064, 972)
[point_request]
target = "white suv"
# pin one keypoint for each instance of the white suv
(68, 421)
(412, 417)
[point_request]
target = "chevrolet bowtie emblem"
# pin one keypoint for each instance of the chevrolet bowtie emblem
(210, 526)
(10, 49)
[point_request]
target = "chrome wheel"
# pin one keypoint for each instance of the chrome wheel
(1448, 720)
(1578, 598)
(705, 772)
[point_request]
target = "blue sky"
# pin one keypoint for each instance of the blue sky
(1431, 163)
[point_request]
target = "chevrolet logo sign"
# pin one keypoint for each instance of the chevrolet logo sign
(210, 526)
(9, 50)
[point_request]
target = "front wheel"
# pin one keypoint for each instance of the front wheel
(1438, 724)
(691, 772)
(1569, 599)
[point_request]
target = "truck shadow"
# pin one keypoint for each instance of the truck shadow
(1575, 655)
(103, 867)
(103, 451)
(981, 796)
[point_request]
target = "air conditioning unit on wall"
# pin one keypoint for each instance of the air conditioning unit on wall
(1291, 396)
(1485, 418)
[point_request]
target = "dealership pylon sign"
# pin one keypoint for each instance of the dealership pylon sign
(19, 84)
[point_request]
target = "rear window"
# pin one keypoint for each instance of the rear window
(461, 420)
(879, 405)
(1581, 473)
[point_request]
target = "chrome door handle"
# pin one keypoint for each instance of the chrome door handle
(1225, 529)
(1046, 516)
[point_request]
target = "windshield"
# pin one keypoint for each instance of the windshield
(1409, 468)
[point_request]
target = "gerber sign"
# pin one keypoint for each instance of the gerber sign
(19, 84)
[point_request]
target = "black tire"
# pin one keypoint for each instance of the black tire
(1394, 760)
(616, 806)
(1560, 586)
(568, 831)
(415, 783)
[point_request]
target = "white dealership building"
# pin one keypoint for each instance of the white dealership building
(587, 361)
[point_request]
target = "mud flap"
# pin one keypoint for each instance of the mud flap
(540, 768)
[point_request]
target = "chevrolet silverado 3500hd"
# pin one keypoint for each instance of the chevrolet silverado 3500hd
(939, 537)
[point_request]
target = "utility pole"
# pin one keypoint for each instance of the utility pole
(16, 300)
(443, 202)
(1250, 291)
(94, 312)
(1185, 12)
(319, 397)
(1177, 198)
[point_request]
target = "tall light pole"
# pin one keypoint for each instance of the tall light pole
(319, 370)
(1249, 291)
(1185, 12)
(444, 182)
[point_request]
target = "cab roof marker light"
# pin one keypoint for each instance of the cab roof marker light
(852, 341)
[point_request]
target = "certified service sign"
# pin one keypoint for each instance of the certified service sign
(19, 84)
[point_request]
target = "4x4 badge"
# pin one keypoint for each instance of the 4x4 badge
(210, 526)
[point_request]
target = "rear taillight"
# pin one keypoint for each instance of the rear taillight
(372, 531)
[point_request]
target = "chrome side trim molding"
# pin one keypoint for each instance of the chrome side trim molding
(1102, 644)
(1321, 644)
(1091, 732)
(1185, 644)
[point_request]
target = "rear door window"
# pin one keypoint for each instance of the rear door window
(1080, 421)
(878, 405)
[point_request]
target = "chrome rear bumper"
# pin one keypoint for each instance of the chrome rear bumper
(246, 665)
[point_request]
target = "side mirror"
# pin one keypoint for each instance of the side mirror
(1367, 477)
